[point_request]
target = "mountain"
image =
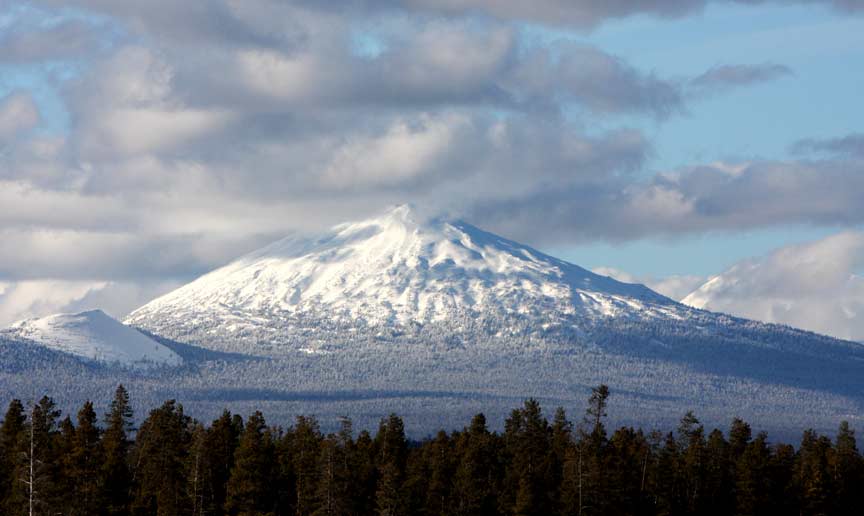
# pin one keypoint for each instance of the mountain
(390, 273)
(437, 320)
(93, 336)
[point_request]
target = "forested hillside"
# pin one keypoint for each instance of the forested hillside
(175, 465)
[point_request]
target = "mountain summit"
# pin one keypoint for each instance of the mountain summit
(96, 336)
(392, 271)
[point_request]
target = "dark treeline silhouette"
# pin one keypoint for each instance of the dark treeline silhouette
(174, 465)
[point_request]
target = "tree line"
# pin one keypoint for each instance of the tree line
(174, 465)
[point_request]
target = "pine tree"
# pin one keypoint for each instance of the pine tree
(583, 485)
(85, 462)
(336, 490)
(392, 449)
(220, 443)
(197, 470)
(752, 486)
(476, 474)
(363, 464)
(160, 452)
(11, 433)
(42, 465)
(670, 490)
(624, 468)
(718, 491)
(248, 487)
(562, 439)
(813, 475)
(691, 435)
(847, 472)
(528, 439)
(115, 478)
(305, 447)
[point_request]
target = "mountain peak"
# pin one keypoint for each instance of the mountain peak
(94, 335)
(395, 270)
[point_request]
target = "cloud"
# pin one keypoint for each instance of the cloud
(719, 196)
(201, 130)
(721, 78)
(675, 287)
(816, 286)
(851, 145)
(25, 299)
(581, 14)
(18, 113)
(27, 42)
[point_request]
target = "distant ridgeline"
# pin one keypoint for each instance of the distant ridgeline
(175, 465)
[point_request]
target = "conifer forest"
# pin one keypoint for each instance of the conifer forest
(171, 464)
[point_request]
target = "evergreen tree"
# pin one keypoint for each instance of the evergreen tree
(670, 491)
(11, 433)
(42, 467)
(691, 435)
(528, 440)
(220, 443)
(86, 460)
(584, 489)
(363, 460)
(392, 450)
(475, 479)
(305, 447)
(197, 470)
(625, 468)
(719, 489)
(335, 480)
(753, 480)
(813, 475)
(115, 478)
(846, 472)
(248, 490)
(159, 455)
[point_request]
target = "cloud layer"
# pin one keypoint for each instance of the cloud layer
(816, 286)
(200, 130)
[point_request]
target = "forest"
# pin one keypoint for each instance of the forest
(172, 465)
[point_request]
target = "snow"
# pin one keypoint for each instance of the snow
(94, 335)
(393, 270)
(438, 320)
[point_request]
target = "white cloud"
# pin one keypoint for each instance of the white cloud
(228, 123)
(18, 113)
(816, 286)
(25, 299)
(38, 298)
(675, 287)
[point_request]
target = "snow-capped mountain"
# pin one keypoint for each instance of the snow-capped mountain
(393, 271)
(94, 336)
(438, 320)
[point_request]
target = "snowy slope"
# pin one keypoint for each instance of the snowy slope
(389, 272)
(94, 336)
(439, 320)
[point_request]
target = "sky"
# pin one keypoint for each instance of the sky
(667, 142)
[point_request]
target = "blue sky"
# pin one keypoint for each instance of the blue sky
(144, 144)
(822, 99)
